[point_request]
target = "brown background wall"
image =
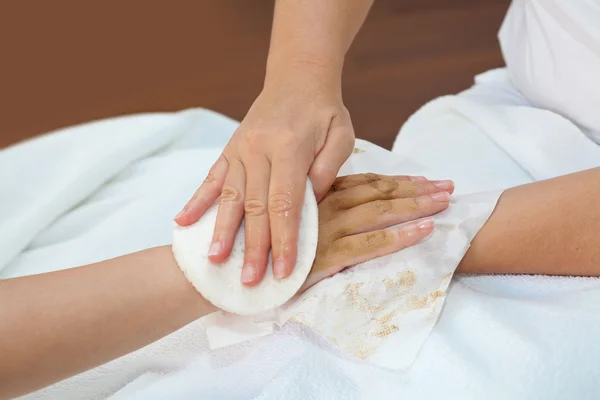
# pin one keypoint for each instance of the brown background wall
(68, 61)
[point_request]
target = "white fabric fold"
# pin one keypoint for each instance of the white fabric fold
(490, 327)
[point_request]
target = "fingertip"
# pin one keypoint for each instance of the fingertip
(190, 214)
(445, 185)
(426, 225)
(451, 190)
(253, 271)
(215, 248)
(441, 197)
(280, 270)
(413, 232)
(248, 277)
(185, 219)
(219, 251)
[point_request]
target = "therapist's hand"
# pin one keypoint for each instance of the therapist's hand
(297, 126)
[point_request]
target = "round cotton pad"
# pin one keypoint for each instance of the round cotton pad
(220, 283)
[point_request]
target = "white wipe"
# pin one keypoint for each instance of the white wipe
(220, 283)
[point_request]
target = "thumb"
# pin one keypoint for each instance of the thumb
(336, 150)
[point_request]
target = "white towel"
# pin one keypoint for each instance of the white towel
(497, 337)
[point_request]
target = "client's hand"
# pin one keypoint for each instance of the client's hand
(354, 213)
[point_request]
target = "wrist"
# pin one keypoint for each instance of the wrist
(303, 65)
(193, 305)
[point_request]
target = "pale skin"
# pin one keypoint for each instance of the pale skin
(59, 324)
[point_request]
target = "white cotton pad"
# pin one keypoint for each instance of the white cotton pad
(220, 283)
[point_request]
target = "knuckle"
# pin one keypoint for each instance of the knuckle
(253, 140)
(320, 171)
(255, 207)
(405, 234)
(406, 189)
(230, 194)
(253, 134)
(280, 204)
(419, 203)
(376, 239)
(415, 204)
(384, 186)
(288, 137)
(369, 177)
(382, 206)
(210, 178)
(341, 246)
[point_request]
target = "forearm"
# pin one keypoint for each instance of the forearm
(58, 324)
(550, 227)
(314, 32)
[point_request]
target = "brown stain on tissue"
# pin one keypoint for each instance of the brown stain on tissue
(404, 279)
(357, 150)
(420, 302)
(383, 326)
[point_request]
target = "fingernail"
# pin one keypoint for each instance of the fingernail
(417, 178)
(279, 269)
(215, 249)
(444, 185)
(426, 224)
(248, 273)
(181, 213)
(440, 196)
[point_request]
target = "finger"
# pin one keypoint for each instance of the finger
(231, 211)
(381, 214)
(286, 197)
(336, 150)
(356, 249)
(206, 194)
(256, 221)
(348, 181)
(384, 189)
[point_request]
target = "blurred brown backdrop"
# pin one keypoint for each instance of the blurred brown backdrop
(64, 62)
